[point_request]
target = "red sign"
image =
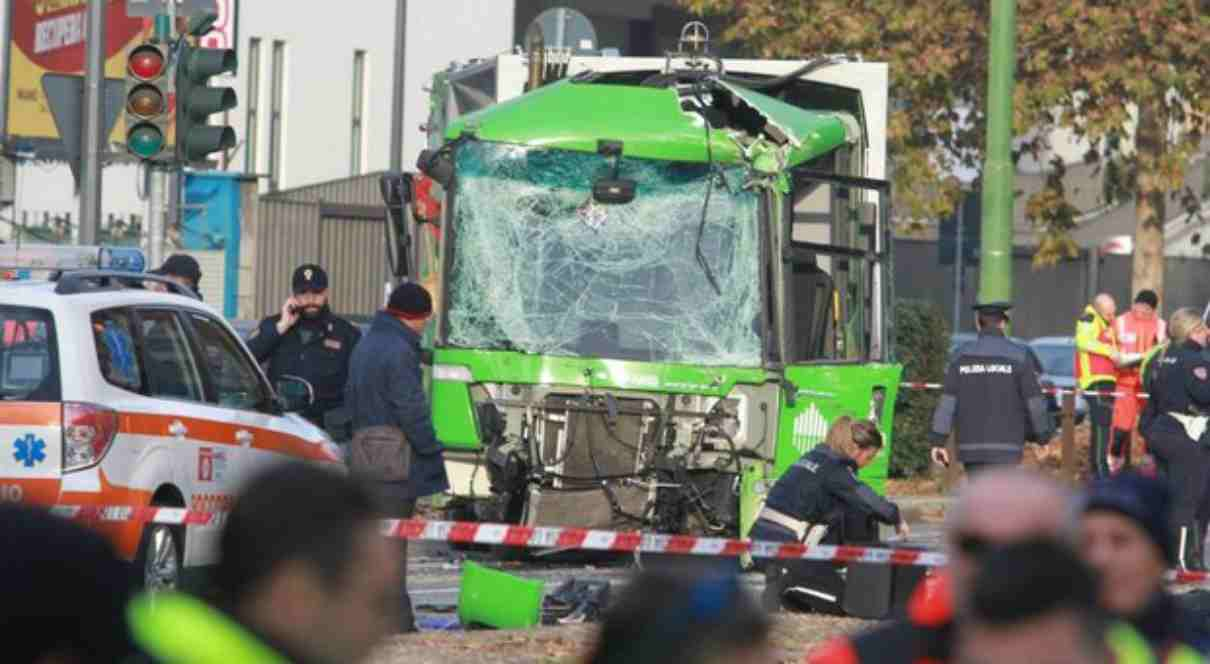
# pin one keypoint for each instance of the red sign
(50, 33)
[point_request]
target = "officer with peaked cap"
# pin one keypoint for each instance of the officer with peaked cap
(307, 340)
(993, 396)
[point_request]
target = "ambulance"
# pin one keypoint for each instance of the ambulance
(122, 389)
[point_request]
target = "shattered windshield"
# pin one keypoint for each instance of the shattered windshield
(539, 267)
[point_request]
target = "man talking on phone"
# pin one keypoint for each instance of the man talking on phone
(308, 341)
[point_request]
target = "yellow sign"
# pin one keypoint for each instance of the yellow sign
(47, 37)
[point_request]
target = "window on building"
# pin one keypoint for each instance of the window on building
(359, 98)
(252, 124)
(275, 115)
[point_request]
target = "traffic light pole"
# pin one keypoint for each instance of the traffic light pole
(996, 268)
(94, 142)
(959, 264)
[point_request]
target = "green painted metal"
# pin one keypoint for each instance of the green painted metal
(752, 491)
(457, 428)
(649, 121)
(996, 269)
(497, 599)
(490, 366)
(826, 392)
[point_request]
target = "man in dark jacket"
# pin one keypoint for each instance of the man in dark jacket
(392, 421)
(184, 270)
(993, 393)
(308, 341)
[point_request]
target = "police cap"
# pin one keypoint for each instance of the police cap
(993, 308)
(309, 277)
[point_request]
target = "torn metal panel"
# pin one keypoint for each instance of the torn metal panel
(539, 267)
(658, 123)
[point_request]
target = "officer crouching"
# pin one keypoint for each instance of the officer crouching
(819, 500)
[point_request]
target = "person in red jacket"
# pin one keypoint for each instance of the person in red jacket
(1138, 331)
(998, 507)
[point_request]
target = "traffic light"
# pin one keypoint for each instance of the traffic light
(196, 101)
(149, 96)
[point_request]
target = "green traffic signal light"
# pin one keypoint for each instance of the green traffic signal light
(145, 140)
(196, 101)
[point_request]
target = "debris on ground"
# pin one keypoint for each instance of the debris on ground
(793, 636)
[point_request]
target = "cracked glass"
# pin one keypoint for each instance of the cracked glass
(539, 267)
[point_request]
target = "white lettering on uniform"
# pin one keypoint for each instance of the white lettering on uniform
(986, 369)
(811, 466)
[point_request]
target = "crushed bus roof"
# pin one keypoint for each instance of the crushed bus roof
(655, 123)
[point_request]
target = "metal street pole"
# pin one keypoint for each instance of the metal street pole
(397, 96)
(92, 150)
(959, 267)
(4, 69)
(996, 267)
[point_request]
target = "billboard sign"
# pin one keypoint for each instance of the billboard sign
(47, 37)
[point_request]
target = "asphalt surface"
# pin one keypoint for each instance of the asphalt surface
(435, 568)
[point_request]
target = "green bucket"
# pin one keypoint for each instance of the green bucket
(493, 598)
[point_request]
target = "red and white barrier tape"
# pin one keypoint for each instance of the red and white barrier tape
(1047, 390)
(461, 532)
(546, 538)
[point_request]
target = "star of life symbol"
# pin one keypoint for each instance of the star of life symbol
(28, 450)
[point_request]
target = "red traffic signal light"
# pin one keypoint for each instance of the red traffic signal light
(146, 62)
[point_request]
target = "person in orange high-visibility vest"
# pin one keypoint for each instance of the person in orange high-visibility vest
(1137, 331)
(1097, 358)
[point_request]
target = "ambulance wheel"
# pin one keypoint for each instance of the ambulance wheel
(160, 559)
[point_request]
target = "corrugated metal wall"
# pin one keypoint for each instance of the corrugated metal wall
(1048, 300)
(328, 224)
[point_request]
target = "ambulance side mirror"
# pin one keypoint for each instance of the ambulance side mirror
(294, 394)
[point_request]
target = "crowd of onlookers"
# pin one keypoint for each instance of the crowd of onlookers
(1036, 574)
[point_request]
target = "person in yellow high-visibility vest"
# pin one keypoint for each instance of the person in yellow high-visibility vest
(1096, 363)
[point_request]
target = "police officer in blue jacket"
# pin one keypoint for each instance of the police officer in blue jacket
(307, 340)
(819, 500)
(1175, 425)
(993, 394)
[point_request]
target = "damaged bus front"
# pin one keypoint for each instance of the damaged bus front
(654, 291)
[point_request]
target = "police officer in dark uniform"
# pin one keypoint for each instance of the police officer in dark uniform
(819, 500)
(308, 341)
(993, 393)
(1177, 380)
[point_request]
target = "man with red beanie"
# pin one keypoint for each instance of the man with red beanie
(394, 446)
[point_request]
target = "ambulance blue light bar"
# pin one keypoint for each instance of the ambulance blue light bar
(17, 261)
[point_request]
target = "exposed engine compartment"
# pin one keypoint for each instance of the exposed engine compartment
(618, 459)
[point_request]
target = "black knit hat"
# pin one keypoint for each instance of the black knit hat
(1149, 298)
(181, 265)
(1146, 501)
(410, 300)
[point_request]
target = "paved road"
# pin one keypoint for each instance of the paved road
(434, 568)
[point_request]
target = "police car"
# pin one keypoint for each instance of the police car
(123, 388)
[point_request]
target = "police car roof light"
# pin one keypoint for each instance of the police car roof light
(58, 258)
